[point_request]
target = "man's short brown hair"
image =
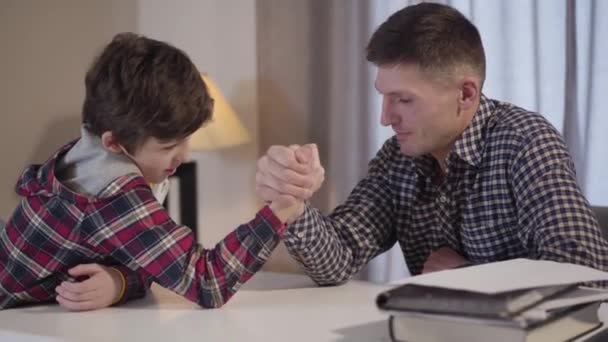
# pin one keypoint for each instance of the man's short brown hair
(139, 88)
(433, 36)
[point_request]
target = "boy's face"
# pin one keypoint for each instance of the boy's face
(158, 160)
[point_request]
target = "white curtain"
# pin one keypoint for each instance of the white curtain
(549, 56)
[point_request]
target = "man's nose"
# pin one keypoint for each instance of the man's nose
(386, 116)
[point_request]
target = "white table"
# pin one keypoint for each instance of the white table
(270, 307)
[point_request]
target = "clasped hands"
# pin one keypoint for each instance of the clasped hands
(293, 173)
(289, 175)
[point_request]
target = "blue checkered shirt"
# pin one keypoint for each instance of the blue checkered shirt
(510, 192)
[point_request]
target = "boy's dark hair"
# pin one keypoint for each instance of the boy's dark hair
(139, 88)
(433, 36)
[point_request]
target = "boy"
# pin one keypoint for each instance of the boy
(91, 202)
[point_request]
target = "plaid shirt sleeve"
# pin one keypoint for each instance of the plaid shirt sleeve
(556, 222)
(331, 249)
(136, 284)
(138, 233)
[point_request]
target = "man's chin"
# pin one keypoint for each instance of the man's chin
(410, 152)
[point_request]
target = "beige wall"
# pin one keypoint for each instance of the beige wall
(219, 36)
(292, 83)
(46, 48)
(283, 34)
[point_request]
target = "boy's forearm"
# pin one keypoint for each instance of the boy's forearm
(168, 253)
(287, 213)
(208, 277)
(222, 270)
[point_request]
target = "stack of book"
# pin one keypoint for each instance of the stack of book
(516, 300)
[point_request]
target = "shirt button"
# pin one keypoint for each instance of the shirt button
(300, 235)
(443, 199)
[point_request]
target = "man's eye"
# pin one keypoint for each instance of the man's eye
(404, 100)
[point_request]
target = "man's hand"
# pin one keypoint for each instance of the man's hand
(295, 171)
(102, 288)
(444, 258)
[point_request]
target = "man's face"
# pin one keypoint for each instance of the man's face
(158, 160)
(423, 111)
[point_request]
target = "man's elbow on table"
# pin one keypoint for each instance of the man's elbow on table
(338, 279)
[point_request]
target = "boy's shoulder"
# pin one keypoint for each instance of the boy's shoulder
(84, 179)
(124, 184)
(39, 178)
(87, 168)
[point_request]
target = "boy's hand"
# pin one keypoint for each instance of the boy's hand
(103, 288)
(287, 208)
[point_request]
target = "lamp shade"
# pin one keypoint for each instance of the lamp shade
(224, 129)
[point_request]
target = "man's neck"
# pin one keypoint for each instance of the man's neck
(441, 155)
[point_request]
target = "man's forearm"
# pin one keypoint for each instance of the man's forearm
(314, 244)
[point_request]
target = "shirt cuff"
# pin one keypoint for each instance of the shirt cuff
(268, 215)
(299, 231)
(134, 284)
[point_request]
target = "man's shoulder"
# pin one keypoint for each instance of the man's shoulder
(517, 126)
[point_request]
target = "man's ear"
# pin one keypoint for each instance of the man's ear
(469, 93)
(109, 142)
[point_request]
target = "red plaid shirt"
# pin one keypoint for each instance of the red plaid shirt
(54, 229)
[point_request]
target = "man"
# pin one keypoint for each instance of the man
(465, 179)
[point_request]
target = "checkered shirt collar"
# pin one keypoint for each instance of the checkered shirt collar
(471, 144)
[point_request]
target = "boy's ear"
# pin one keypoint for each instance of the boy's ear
(109, 142)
